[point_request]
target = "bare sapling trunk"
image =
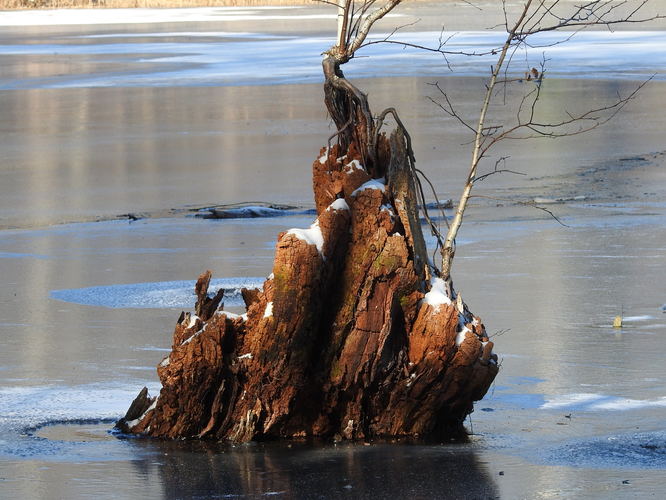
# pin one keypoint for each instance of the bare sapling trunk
(353, 335)
(448, 250)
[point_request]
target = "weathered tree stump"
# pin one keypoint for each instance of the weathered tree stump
(350, 337)
(353, 335)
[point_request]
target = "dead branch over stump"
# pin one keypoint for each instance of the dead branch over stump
(346, 340)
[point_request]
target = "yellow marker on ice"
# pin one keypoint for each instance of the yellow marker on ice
(617, 322)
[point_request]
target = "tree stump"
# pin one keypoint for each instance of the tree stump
(349, 338)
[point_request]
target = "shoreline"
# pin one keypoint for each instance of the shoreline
(460, 14)
(141, 4)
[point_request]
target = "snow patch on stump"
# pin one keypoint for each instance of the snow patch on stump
(352, 166)
(437, 294)
(371, 184)
(312, 236)
(324, 157)
(460, 338)
(193, 321)
(339, 204)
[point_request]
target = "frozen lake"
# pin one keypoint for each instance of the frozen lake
(165, 115)
(206, 57)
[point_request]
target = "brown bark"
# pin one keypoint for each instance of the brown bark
(339, 343)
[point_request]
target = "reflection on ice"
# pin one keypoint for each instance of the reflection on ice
(153, 348)
(16, 255)
(208, 470)
(643, 317)
(178, 294)
(523, 380)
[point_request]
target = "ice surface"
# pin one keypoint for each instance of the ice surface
(34, 405)
(644, 317)
(162, 294)
(251, 60)
(640, 450)
(140, 16)
(16, 255)
(25, 409)
(595, 402)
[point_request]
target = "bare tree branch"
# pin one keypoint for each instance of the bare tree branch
(497, 170)
(371, 19)
(448, 109)
(448, 251)
(531, 203)
(535, 17)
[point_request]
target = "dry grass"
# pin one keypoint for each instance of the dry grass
(79, 4)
